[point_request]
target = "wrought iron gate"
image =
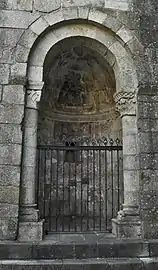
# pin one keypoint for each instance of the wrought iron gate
(79, 184)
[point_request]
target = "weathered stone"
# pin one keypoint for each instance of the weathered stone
(124, 34)
(35, 74)
(116, 4)
(18, 73)
(28, 38)
(9, 39)
(10, 133)
(39, 26)
(9, 175)
(82, 3)
(8, 210)
(9, 194)
(16, 19)
(4, 73)
(16, 5)
(22, 54)
(12, 114)
(13, 94)
(47, 6)
(8, 228)
(30, 231)
(129, 145)
(10, 154)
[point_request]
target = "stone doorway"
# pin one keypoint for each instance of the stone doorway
(77, 102)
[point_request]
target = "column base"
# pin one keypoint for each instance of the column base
(29, 213)
(126, 226)
(31, 231)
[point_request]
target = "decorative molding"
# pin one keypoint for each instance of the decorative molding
(125, 102)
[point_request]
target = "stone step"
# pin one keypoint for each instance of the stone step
(50, 250)
(87, 264)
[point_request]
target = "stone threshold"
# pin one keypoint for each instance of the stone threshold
(87, 264)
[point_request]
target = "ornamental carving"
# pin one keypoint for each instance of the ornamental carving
(125, 102)
(33, 97)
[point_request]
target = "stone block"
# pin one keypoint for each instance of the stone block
(13, 94)
(82, 3)
(8, 210)
(148, 142)
(147, 125)
(4, 73)
(9, 194)
(150, 229)
(149, 214)
(95, 15)
(83, 12)
(9, 39)
(124, 34)
(30, 231)
(17, 19)
(44, 251)
(148, 179)
(16, 5)
(116, 4)
(9, 175)
(148, 199)
(10, 154)
(112, 22)
(39, 26)
(12, 114)
(18, 73)
(153, 247)
(22, 54)
(124, 229)
(148, 110)
(28, 38)
(15, 250)
(54, 17)
(8, 231)
(148, 161)
(125, 264)
(70, 14)
(47, 6)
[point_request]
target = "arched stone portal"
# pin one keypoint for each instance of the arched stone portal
(85, 187)
(120, 60)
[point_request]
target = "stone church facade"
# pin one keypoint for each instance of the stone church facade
(85, 69)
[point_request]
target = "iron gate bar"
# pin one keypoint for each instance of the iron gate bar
(70, 193)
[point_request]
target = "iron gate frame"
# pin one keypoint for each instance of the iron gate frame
(93, 145)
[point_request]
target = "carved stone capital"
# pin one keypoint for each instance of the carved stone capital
(33, 96)
(125, 102)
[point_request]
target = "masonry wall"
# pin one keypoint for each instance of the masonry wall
(15, 16)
